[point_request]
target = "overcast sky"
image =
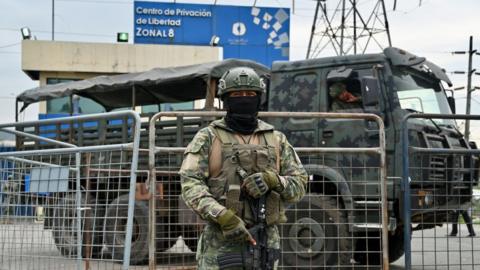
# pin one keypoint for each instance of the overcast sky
(432, 29)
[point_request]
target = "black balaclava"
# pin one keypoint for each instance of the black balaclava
(242, 113)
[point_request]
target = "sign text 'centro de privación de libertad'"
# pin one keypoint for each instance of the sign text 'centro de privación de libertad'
(257, 33)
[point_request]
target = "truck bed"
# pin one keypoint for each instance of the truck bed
(169, 133)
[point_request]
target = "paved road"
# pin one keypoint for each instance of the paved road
(433, 249)
(38, 251)
(28, 246)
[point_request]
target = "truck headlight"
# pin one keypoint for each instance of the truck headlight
(428, 199)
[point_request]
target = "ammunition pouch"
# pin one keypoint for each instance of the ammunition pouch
(275, 209)
(231, 261)
(234, 200)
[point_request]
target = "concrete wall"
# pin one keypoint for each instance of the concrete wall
(107, 58)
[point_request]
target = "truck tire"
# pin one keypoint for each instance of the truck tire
(116, 223)
(328, 244)
(396, 246)
(64, 226)
(396, 249)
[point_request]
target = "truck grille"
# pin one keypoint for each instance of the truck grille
(438, 168)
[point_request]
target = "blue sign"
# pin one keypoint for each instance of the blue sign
(257, 33)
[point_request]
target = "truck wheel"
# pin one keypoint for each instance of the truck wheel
(373, 245)
(64, 229)
(116, 225)
(316, 234)
(396, 246)
(64, 226)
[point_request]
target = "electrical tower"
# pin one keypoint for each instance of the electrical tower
(348, 27)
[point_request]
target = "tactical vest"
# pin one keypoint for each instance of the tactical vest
(239, 160)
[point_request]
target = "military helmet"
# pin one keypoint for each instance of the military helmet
(240, 78)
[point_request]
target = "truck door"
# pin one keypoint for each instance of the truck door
(296, 92)
(352, 132)
(349, 94)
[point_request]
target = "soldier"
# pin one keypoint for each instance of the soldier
(342, 98)
(466, 218)
(233, 162)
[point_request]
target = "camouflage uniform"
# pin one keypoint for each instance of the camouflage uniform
(204, 197)
(338, 105)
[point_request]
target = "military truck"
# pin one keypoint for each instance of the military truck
(391, 84)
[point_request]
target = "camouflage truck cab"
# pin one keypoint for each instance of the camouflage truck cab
(391, 85)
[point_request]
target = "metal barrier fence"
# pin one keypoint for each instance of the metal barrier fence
(341, 223)
(68, 207)
(440, 170)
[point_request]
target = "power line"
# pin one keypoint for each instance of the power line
(97, 1)
(10, 45)
(360, 3)
(62, 33)
(474, 99)
(421, 3)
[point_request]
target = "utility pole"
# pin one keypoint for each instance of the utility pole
(470, 89)
(470, 72)
(53, 19)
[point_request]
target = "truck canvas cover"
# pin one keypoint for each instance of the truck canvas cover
(158, 85)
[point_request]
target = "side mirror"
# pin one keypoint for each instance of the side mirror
(451, 103)
(370, 92)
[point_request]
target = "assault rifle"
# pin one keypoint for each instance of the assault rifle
(256, 255)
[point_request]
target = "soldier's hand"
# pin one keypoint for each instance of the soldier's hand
(258, 184)
(348, 97)
(272, 180)
(233, 228)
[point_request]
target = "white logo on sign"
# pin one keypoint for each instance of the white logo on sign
(239, 29)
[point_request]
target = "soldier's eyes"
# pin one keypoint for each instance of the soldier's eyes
(243, 94)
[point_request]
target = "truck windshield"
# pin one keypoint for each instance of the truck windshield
(420, 94)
